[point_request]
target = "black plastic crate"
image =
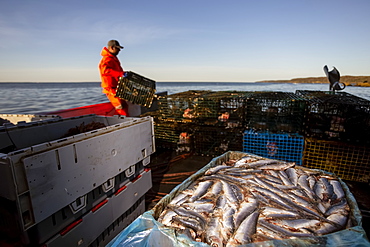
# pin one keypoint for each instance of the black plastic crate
(337, 116)
(275, 112)
(216, 140)
(136, 89)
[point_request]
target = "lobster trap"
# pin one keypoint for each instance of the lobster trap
(275, 112)
(347, 161)
(184, 106)
(174, 135)
(223, 108)
(284, 146)
(216, 140)
(336, 116)
(136, 89)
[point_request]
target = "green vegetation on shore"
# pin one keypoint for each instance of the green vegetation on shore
(358, 81)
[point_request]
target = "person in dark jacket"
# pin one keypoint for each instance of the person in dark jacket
(110, 72)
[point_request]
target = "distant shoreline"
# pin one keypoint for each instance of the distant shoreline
(356, 81)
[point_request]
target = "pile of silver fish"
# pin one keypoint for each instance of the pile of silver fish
(254, 199)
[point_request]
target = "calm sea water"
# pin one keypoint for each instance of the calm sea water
(33, 98)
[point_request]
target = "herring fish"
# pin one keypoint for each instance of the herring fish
(244, 233)
(253, 200)
(200, 190)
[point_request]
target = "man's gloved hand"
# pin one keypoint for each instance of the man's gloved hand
(125, 74)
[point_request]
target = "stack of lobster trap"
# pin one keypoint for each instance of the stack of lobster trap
(317, 129)
(73, 182)
(337, 131)
(204, 122)
(274, 123)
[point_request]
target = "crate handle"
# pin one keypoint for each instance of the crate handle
(107, 186)
(146, 161)
(130, 171)
(143, 153)
(79, 204)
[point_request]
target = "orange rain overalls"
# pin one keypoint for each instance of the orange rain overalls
(110, 71)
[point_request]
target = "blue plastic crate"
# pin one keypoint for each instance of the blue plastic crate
(286, 147)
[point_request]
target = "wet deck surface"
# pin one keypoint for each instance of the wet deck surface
(170, 169)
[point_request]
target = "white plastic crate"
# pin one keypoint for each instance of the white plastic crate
(53, 224)
(47, 171)
(17, 118)
(86, 230)
(9, 120)
(120, 224)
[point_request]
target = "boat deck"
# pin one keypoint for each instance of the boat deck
(170, 169)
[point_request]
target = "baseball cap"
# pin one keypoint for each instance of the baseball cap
(114, 43)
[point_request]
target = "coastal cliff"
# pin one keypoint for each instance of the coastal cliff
(357, 81)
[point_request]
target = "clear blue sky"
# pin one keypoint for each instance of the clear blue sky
(192, 40)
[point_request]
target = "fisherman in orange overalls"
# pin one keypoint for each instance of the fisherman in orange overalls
(110, 72)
